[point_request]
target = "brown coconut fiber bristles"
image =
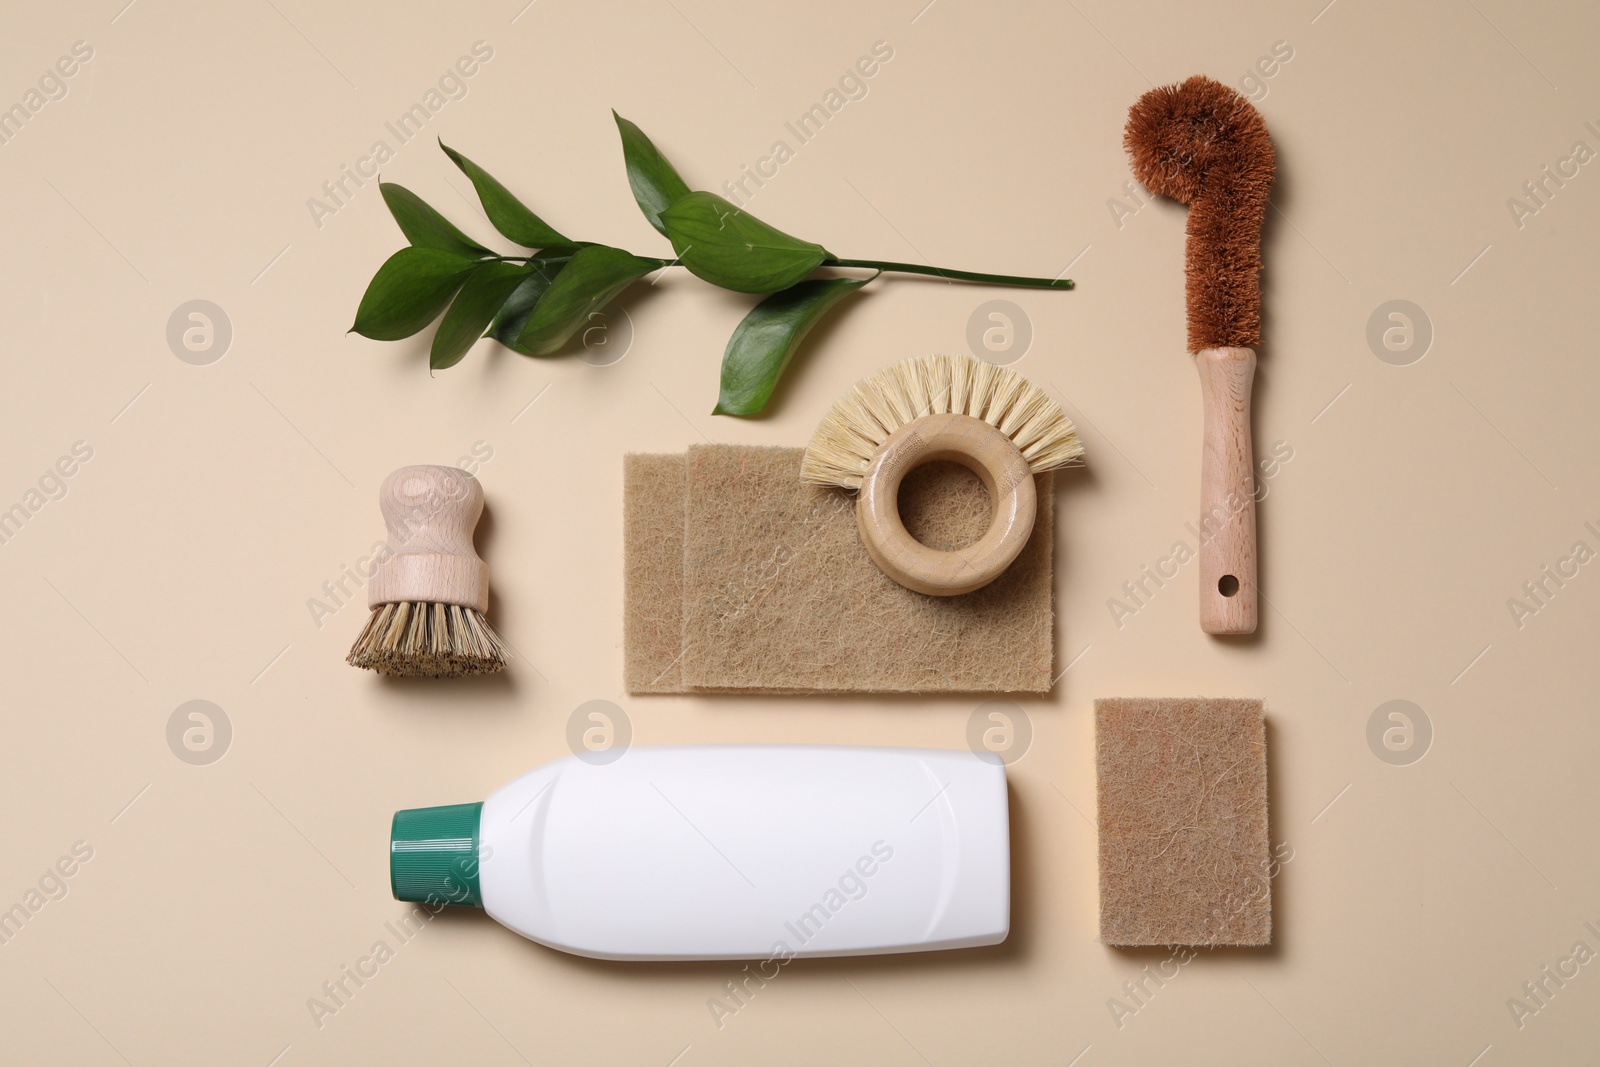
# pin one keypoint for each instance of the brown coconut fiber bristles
(1203, 144)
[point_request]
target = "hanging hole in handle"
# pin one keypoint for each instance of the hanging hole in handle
(1227, 585)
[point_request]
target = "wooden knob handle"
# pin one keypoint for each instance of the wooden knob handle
(431, 512)
(1227, 493)
(985, 451)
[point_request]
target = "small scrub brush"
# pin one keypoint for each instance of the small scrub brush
(431, 589)
(1203, 144)
(990, 419)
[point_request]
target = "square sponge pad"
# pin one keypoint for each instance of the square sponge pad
(1182, 786)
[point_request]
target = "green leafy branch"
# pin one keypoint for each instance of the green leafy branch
(535, 304)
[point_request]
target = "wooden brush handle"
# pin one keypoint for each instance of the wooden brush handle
(985, 451)
(1227, 493)
(431, 512)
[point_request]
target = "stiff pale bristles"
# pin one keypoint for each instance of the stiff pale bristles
(848, 438)
(411, 640)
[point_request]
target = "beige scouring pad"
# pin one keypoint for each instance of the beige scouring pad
(1182, 786)
(738, 576)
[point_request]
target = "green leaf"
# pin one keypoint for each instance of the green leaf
(409, 291)
(736, 250)
(763, 344)
(591, 280)
(509, 215)
(656, 186)
(488, 287)
(425, 227)
(513, 314)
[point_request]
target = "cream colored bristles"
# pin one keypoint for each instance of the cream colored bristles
(849, 436)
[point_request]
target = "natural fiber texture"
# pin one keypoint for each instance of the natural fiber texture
(653, 495)
(1183, 822)
(1203, 144)
(778, 594)
(849, 436)
(414, 639)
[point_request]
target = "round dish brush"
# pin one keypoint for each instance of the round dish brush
(431, 590)
(1205, 145)
(989, 419)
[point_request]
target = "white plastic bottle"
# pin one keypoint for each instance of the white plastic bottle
(728, 852)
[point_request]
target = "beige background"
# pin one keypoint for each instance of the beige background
(219, 498)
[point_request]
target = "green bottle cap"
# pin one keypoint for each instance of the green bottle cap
(433, 855)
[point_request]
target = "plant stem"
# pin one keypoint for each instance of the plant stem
(955, 275)
(896, 268)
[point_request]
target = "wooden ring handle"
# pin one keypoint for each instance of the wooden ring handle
(431, 512)
(1227, 493)
(990, 455)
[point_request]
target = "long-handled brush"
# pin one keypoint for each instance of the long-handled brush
(1205, 145)
(430, 591)
(989, 419)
